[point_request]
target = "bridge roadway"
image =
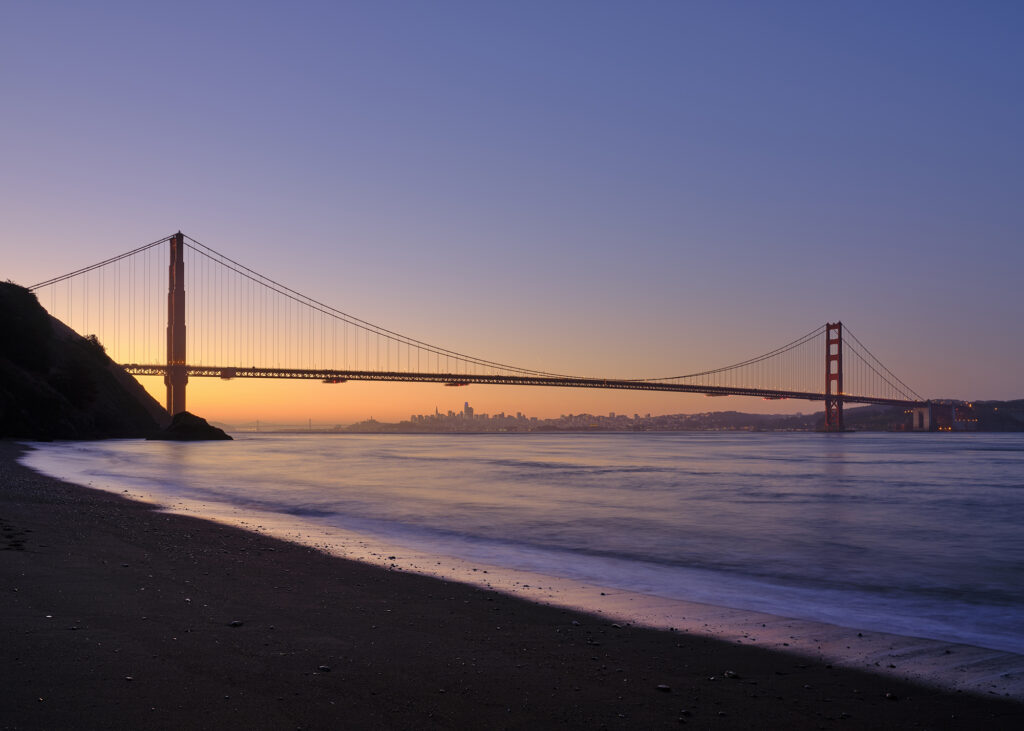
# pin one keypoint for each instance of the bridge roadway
(465, 379)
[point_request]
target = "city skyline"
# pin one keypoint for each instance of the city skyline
(591, 189)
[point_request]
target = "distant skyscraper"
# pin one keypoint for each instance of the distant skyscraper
(467, 411)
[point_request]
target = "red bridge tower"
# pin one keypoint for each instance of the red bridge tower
(176, 377)
(834, 376)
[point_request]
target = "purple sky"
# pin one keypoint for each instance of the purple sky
(622, 189)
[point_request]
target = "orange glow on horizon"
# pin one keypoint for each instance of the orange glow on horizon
(245, 400)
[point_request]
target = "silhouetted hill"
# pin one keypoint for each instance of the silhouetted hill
(870, 418)
(55, 384)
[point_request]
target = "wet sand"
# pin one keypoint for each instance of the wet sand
(116, 615)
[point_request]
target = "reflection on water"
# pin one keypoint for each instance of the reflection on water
(907, 533)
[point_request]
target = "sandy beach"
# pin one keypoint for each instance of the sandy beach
(116, 615)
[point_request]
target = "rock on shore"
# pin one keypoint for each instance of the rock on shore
(187, 427)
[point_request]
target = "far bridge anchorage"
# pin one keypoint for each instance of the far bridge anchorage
(242, 324)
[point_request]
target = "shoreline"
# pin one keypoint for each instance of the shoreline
(951, 662)
(400, 649)
(943, 664)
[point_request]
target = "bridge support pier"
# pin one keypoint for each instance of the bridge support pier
(834, 376)
(176, 377)
(921, 418)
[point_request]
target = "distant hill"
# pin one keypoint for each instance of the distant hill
(55, 384)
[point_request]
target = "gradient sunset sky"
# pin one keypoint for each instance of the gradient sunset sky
(621, 189)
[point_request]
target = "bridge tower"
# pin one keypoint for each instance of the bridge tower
(834, 376)
(176, 377)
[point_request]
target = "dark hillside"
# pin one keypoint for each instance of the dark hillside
(55, 384)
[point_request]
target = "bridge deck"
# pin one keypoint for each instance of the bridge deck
(465, 379)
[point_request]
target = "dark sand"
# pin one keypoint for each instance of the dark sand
(115, 615)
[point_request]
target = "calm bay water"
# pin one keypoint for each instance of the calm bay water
(919, 535)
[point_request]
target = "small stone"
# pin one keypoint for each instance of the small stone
(891, 697)
(665, 688)
(324, 668)
(731, 674)
(129, 678)
(236, 623)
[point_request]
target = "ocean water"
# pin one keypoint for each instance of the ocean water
(913, 534)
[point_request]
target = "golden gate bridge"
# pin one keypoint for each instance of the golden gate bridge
(242, 324)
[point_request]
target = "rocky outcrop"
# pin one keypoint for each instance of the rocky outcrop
(187, 427)
(55, 384)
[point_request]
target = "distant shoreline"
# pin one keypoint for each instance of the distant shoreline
(984, 416)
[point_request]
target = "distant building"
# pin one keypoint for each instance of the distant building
(467, 411)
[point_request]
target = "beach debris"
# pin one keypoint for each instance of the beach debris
(235, 623)
(665, 688)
